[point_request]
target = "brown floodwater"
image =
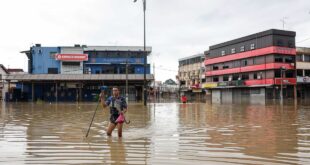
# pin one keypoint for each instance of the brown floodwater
(161, 133)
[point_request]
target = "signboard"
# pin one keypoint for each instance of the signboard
(209, 85)
(116, 60)
(223, 84)
(71, 57)
(303, 79)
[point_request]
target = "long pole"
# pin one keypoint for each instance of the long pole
(92, 119)
(145, 53)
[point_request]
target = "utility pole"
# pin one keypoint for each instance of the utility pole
(127, 78)
(144, 52)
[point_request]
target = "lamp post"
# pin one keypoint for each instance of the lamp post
(282, 69)
(144, 52)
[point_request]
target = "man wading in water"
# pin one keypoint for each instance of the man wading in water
(117, 106)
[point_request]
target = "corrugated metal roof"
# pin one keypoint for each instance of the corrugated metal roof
(70, 77)
(117, 48)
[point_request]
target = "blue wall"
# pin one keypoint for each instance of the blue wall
(42, 59)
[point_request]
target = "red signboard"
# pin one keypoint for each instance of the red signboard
(71, 57)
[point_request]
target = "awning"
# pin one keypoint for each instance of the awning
(74, 77)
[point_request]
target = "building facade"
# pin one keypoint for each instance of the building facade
(303, 72)
(76, 73)
(191, 75)
(260, 65)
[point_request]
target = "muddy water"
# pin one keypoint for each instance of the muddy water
(162, 133)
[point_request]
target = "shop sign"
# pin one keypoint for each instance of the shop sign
(71, 57)
(303, 79)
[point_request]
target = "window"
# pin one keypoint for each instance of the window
(289, 60)
(215, 67)
(235, 77)
(278, 59)
(306, 58)
(279, 42)
(225, 78)
(245, 76)
(291, 44)
(242, 49)
(307, 73)
(223, 52)
(52, 70)
(252, 46)
(71, 63)
(244, 63)
(299, 72)
(299, 57)
(277, 73)
(236, 64)
(233, 50)
(225, 66)
(215, 79)
(289, 73)
(255, 76)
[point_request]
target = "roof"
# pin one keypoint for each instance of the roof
(117, 48)
(4, 69)
(193, 56)
(303, 50)
(15, 70)
(254, 36)
(76, 77)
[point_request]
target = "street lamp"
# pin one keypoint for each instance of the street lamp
(144, 51)
(282, 69)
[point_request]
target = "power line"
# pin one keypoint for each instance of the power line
(303, 40)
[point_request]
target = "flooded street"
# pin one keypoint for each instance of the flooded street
(161, 133)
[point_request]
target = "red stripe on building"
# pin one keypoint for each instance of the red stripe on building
(253, 53)
(251, 68)
(271, 81)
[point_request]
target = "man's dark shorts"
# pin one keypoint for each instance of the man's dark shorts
(113, 118)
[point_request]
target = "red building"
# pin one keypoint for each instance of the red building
(252, 66)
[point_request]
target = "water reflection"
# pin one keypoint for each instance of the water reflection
(161, 133)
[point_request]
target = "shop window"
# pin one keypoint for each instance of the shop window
(307, 73)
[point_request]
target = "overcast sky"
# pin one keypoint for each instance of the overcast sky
(175, 28)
